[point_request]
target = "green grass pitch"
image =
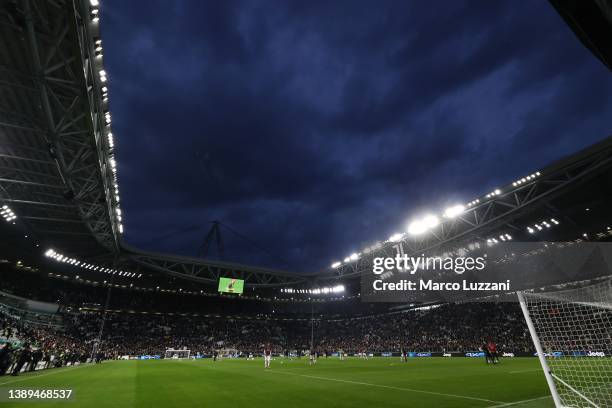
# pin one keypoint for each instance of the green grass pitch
(377, 382)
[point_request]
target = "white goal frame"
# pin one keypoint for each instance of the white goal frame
(575, 326)
(180, 354)
(536, 341)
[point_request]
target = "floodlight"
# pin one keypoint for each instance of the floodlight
(431, 221)
(416, 228)
(452, 212)
(395, 237)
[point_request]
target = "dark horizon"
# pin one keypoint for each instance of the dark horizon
(316, 129)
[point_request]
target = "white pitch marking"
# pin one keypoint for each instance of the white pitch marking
(509, 404)
(525, 371)
(55, 371)
(388, 387)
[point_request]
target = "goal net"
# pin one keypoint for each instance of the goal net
(172, 353)
(572, 332)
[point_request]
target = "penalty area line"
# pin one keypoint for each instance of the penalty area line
(509, 404)
(390, 387)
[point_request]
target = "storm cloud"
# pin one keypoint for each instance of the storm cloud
(314, 128)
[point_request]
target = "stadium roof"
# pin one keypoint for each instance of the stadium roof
(591, 20)
(55, 165)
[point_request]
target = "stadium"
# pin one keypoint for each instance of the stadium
(520, 315)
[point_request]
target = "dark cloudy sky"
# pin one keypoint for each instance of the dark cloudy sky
(314, 128)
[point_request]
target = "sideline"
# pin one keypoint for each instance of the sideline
(55, 371)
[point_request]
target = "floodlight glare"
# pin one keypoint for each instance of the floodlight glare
(395, 237)
(431, 221)
(452, 212)
(416, 228)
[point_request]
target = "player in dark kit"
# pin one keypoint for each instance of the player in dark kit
(492, 348)
(485, 350)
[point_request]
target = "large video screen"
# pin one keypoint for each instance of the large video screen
(231, 285)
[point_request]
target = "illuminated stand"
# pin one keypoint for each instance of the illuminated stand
(572, 332)
(177, 354)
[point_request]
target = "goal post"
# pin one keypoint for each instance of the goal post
(179, 354)
(572, 333)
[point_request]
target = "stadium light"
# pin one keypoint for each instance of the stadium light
(431, 221)
(423, 224)
(526, 179)
(51, 253)
(418, 227)
(315, 291)
(7, 213)
(354, 256)
(541, 225)
(454, 211)
(493, 193)
(336, 264)
(395, 238)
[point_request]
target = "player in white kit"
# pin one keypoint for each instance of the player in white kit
(267, 356)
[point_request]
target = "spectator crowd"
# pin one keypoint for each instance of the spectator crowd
(447, 328)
